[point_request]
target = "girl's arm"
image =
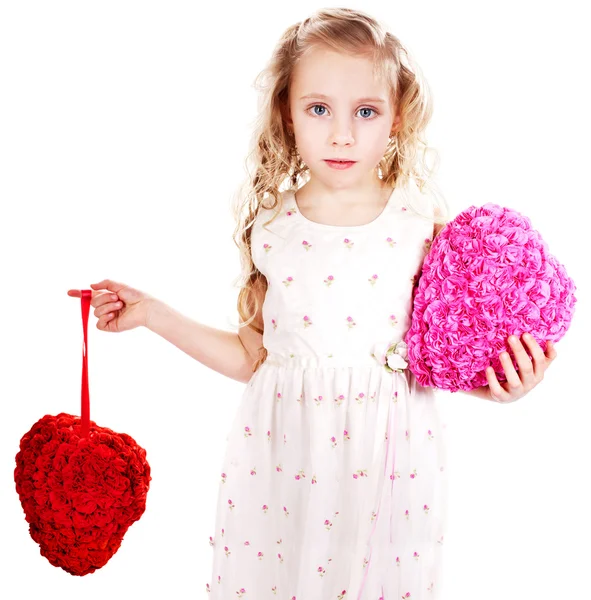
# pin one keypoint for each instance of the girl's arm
(253, 340)
(217, 349)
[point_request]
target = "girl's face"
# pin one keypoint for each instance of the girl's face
(338, 119)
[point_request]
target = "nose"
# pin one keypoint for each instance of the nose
(341, 134)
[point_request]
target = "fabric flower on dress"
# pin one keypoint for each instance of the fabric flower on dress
(392, 355)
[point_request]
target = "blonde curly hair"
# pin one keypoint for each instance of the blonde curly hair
(273, 154)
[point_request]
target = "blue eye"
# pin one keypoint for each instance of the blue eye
(366, 108)
(323, 107)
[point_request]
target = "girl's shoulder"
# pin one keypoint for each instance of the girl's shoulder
(270, 229)
(413, 196)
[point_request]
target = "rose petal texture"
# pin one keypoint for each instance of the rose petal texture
(80, 494)
(488, 275)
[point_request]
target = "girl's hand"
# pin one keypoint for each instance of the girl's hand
(119, 307)
(519, 384)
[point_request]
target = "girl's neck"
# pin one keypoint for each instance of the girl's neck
(320, 198)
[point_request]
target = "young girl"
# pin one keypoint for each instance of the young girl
(334, 481)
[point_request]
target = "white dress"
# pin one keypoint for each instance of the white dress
(333, 486)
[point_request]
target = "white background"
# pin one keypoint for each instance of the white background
(123, 133)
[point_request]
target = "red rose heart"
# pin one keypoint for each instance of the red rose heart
(80, 494)
(81, 486)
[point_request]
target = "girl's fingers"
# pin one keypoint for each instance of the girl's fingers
(511, 375)
(98, 298)
(103, 298)
(107, 307)
(103, 322)
(551, 351)
(107, 284)
(539, 360)
(497, 391)
(110, 286)
(523, 360)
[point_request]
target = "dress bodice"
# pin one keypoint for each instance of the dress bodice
(334, 292)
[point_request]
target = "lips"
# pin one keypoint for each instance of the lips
(339, 165)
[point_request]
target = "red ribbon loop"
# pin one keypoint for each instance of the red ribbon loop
(85, 409)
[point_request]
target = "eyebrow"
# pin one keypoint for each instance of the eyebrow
(323, 97)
